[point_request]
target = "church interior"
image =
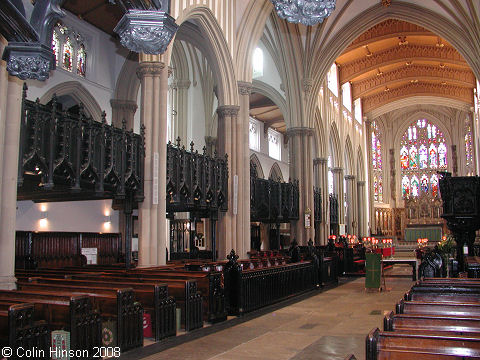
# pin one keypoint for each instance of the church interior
(179, 170)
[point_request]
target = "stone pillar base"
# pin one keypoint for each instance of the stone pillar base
(8, 283)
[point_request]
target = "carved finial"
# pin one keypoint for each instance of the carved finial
(191, 146)
(169, 143)
(204, 150)
(215, 153)
(178, 140)
(25, 88)
(104, 117)
(232, 257)
(183, 147)
(124, 124)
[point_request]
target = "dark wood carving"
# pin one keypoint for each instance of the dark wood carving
(272, 201)
(461, 210)
(196, 182)
(317, 204)
(66, 156)
(333, 209)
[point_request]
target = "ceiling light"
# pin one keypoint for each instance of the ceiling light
(379, 72)
(307, 12)
(403, 40)
(408, 63)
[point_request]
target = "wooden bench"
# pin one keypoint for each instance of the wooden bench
(413, 323)
(73, 313)
(153, 297)
(19, 330)
(437, 308)
(118, 304)
(443, 294)
(398, 345)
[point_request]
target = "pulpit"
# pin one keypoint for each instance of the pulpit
(461, 210)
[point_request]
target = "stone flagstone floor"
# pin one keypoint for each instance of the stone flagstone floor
(331, 324)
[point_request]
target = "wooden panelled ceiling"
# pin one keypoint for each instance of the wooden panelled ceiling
(99, 13)
(265, 110)
(396, 59)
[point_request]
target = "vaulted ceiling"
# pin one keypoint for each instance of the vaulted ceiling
(396, 59)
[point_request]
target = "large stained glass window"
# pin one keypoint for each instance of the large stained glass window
(377, 163)
(70, 49)
(423, 152)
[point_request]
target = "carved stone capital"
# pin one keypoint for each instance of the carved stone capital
(183, 83)
(349, 177)
(337, 170)
(244, 88)
(125, 105)
(361, 183)
(320, 161)
(210, 140)
(300, 131)
(228, 110)
(29, 61)
(307, 84)
(150, 69)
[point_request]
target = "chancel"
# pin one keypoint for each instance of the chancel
(245, 178)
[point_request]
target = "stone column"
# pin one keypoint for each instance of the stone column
(351, 192)
(10, 113)
(339, 191)
(227, 144)
(123, 109)
(362, 209)
(152, 212)
(180, 106)
(320, 168)
(301, 168)
(371, 210)
(210, 144)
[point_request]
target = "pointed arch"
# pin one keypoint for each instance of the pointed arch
(348, 154)
(335, 148)
(217, 52)
(270, 92)
(276, 173)
(320, 141)
(79, 94)
(128, 84)
(258, 166)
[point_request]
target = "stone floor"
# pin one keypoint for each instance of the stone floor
(330, 324)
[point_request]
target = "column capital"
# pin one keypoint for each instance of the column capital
(300, 131)
(244, 87)
(349, 177)
(320, 160)
(183, 83)
(361, 182)
(307, 85)
(150, 69)
(128, 105)
(337, 170)
(210, 140)
(228, 110)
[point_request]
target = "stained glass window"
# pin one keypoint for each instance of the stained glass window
(56, 46)
(377, 163)
(468, 146)
(405, 186)
(422, 152)
(67, 54)
(81, 60)
(70, 49)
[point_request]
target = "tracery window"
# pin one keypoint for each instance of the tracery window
(422, 153)
(257, 63)
(70, 49)
(377, 164)
(468, 147)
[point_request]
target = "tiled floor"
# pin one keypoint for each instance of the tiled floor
(328, 325)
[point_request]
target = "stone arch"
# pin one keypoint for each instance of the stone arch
(360, 173)
(431, 20)
(335, 148)
(79, 94)
(217, 46)
(276, 173)
(180, 62)
(258, 166)
(320, 143)
(274, 95)
(348, 154)
(128, 84)
(250, 30)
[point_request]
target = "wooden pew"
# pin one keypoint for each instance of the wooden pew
(459, 281)
(111, 303)
(152, 295)
(437, 308)
(19, 330)
(413, 323)
(443, 294)
(69, 312)
(398, 345)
